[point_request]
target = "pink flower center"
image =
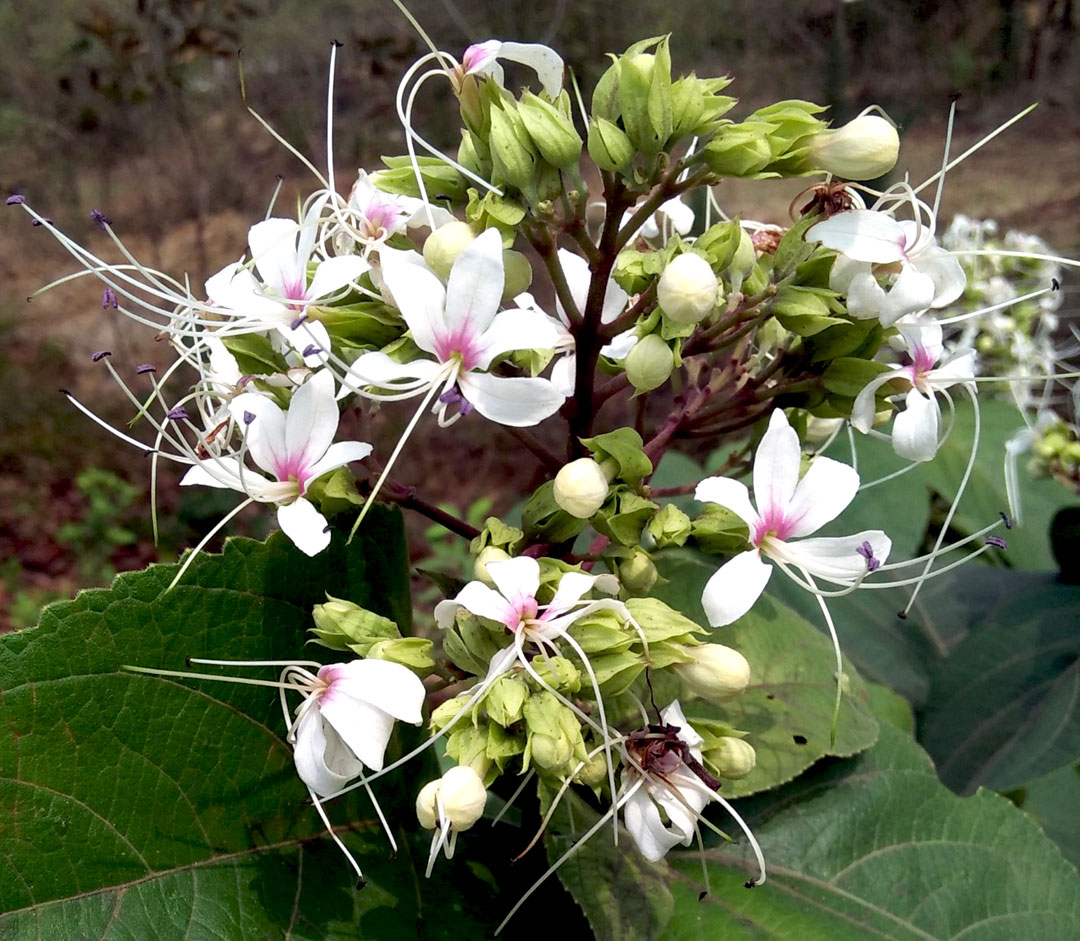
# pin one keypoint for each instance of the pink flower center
(293, 467)
(462, 343)
(773, 523)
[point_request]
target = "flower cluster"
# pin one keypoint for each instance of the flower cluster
(416, 285)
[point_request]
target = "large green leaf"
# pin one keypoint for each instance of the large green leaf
(788, 707)
(136, 806)
(1004, 706)
(876, 847)
(1052, 801)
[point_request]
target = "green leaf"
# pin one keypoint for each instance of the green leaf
(787, 708)
(1051, 802)
(1003, 706)
(624, 896)
(884, 852)
(145, 806)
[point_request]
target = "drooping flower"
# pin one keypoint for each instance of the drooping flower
(279, 298)
(667, 785)
(916, 429)
(787, 509)
(294, 447)
(483, 59)
(450, 805)
(928, 276)
(461, 327)
(346, 719)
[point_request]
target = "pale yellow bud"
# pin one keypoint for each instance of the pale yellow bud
(462, 795)
(715, 673)
(649, 363)
(581, 487)
(445, 244)
(733, 758)
(488, 555)
(863, 149)
(687, 289)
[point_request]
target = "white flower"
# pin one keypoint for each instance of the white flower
(372, 216)
(279, 298)
(482, 59)
(929, 276)
(787, 508)
(460, 326)
(916, 429)
(346, 719)
(671, 787)
(294, 447)
(450, 805)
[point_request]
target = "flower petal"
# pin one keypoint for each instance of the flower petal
(642, 820)
(334, 273)
(273, 249)
(418, 294)
(730, 494)
(517, 330)
(310, 756)
(379, 370)
(481, 600)
(543, 60)
(826, 488)
(911, 293)
(734, 588)
(673, 715)
(304, 525)
(864, 409)
(475, 286)
(517, 580)
(338, 455)
(834, 558)
(776, 466)
(862, 235)
(945, 271)
(915, 429)
(364, 728)
(311, 422)
(515, 401)
(388, 686)
(265, 433)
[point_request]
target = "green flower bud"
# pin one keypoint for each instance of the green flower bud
(518, 273)
(342, 625)
(670, 527)
(442, 714)
(552, 130)
(609, 146)
(715, 673)
(687, 290)
(488, 554)
(554, 734)
(743, 261)
(412, 652)
(513, 154)
(506, 699)
(638, 573)
(443, 246)
(863, 149)
(594, 773)
(649, 363)
(558, 672)
(462, 795)
(740, 150)
(732, 758)
(581, 487)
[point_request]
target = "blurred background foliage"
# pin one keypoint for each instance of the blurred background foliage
(135, 107)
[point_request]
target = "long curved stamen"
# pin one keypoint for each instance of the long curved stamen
(517, 793)
(945, 157)
(205, 539)
(839, 659)
(190, 675)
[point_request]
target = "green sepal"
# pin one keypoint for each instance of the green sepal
(625, 447)
(254, 355)
(660, 622)
(505, 699)
(439, 177)
(416, 653)
(848, 377)
(499, 534)
(542, 518)
(623, 517)
(670, 527)
(718, 531)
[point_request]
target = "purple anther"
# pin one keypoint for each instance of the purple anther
(41, 222)
(109, 299)
(100, 355)
(179, 413)
(454, 397)
(100, 219)
(299, 320)
(1055, 284)
(997, 541)
(1006, 519)
(145, 368)
(15, 199)
(249, 417)
(312, 349)
(867, 552)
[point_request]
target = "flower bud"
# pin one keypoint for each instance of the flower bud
(732, 757)
(513, 154)
(638, 573)
(487, 555)
(581, 487)
(609, 146)
(462, 795)
(445, 244)
(687, 289)
(740, 150)
(518, 274)
(342, 625)
(594, 773)
(551, 130)
(649, 363)
(715, 673)
(670, 527)
(863, 149)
